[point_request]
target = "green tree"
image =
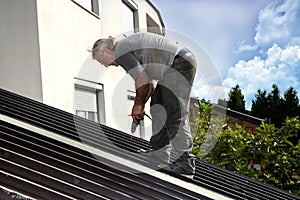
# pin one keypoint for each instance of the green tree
(236, 99)
(292, 109)
(276, 106)
(277, 158)
(291, 103)
(260, 105)
(205, 130)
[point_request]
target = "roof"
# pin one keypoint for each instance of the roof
(232, 113)
(243, 116)
(51, 154)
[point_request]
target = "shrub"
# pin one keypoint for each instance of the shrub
(271, 156)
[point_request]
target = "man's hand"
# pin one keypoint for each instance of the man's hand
(138, 113)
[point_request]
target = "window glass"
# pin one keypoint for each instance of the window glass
(127, 18)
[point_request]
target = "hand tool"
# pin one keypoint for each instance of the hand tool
(134, 125)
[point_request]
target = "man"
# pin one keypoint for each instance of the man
(166, 74)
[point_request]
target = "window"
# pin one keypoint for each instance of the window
(90, 5)
(129, 16)
(88, 115)
(95, 6)
(152, 26)
(85, 101)
(89, 100)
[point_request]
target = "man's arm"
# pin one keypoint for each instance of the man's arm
(142, 93)
(152, 85)
(142, 88)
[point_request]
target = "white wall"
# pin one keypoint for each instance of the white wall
(19, 52)
(44, 47)
(66, 32)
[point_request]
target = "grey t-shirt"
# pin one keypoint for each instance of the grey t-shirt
(145, 51)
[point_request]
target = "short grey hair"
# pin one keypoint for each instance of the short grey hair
(102, 44)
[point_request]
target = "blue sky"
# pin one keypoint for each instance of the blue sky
(252, 43)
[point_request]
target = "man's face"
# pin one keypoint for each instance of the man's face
(105, 58)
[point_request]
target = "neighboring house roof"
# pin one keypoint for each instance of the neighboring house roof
(227, 112)
(46, 153)
(240, 115)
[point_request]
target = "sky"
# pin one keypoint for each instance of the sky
(254, 44)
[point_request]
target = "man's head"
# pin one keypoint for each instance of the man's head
(103, 51)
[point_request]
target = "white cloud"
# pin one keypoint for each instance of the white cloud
(245, 47)
(278, 23)
(291, 55)
(278, 57)
(281, 66)
(274, 54)
(211, 92)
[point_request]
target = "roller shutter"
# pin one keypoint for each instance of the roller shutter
(85, 102)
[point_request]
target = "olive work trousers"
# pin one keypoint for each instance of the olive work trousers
(169, 108)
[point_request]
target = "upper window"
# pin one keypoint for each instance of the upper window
(90, 5)
(152, 26)
(129, 16)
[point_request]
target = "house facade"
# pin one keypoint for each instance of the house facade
(45, 55)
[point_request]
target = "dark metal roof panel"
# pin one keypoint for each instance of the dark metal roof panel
(79, 168)
(74, 173)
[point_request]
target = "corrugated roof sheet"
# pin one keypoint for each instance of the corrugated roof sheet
(47, 153)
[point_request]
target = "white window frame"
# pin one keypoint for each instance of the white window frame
(134, 8)
(91, 6)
